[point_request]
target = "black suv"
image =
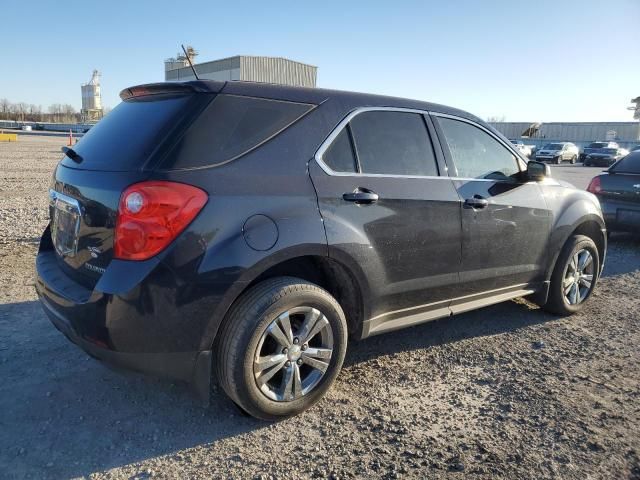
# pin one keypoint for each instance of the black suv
(244, 231)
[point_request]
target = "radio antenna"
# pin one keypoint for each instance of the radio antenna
(189, 60)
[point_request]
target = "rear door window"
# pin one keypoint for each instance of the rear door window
(232, 126)
(126, 137)
(393, 143)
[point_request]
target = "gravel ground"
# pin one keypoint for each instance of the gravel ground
(505, 392)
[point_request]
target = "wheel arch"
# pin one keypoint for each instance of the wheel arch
(590, 225)
(341, 281)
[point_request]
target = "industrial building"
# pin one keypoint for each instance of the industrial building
(242, 67)
(91, 99)
(627, 134)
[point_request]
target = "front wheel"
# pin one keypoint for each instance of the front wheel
(574, 276)
(281, 347)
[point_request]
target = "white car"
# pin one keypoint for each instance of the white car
(558, 153)
(524, 149)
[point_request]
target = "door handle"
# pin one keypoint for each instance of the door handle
(361, 196)
(476, 202)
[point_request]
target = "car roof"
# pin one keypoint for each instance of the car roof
(314, 96)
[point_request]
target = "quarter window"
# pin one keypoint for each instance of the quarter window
(393, 143)
(477, 154)
(230, 127)
(339, 156)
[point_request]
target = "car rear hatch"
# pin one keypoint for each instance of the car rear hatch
(120, 150)
(621, 187)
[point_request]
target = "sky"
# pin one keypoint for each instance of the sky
(561, 60)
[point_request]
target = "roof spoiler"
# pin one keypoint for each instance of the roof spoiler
(167, 88)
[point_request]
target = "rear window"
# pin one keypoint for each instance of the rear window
(124, 139)
(629, 164)
(553, 146)
(232, 126)
(598, 145)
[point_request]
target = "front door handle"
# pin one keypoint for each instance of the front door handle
(361, 196)
(476, 202)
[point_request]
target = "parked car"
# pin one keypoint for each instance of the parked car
(618, 190)
(526, 150)
(636, 148)
(596, 147)
(558, 153)
(248, 229)
(604, 157)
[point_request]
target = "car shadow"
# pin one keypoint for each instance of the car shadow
(623, 254)
(65, 415)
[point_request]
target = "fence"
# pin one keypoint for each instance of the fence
(51, 127)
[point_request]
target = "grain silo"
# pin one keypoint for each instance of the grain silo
(91, 99)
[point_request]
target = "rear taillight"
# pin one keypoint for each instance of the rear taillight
(151, 215)
(595, 186)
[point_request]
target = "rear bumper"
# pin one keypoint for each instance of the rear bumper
(546, 158)
(615, 220)
(599, 162)
(111, 327)
(176, 365)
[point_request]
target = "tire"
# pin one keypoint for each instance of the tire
(558, 302)
(558, 160)
(246, 335)
(574, 160)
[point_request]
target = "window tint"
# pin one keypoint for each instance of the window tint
(232, 125)
(394, 143)
(475, 153)
(339, 156)
(124, 139)
(629, 164)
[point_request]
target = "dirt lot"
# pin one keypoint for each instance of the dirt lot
(504, 392)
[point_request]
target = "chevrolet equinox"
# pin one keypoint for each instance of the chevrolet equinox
(241, 233)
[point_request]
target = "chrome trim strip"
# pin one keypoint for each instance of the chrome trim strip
(450, 300)
(338, 129)
(53, 196)
(60, 201)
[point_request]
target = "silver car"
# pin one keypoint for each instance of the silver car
(558, 152)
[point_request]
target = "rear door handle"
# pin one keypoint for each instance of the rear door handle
(361, 196)
(476, 202)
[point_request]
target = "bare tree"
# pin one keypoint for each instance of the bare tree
(55, 110)
(22, 109)
(5, 108)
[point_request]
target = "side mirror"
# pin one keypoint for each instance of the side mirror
(537, 171)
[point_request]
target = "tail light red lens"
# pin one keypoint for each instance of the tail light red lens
(151, 215)
(595, 186)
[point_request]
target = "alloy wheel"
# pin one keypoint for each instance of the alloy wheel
(293, 354)
(578, 277)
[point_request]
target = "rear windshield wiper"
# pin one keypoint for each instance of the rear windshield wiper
(70, 152)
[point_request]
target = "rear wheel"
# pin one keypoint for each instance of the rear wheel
(574, 159)
(281, 347)
(574, 276)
